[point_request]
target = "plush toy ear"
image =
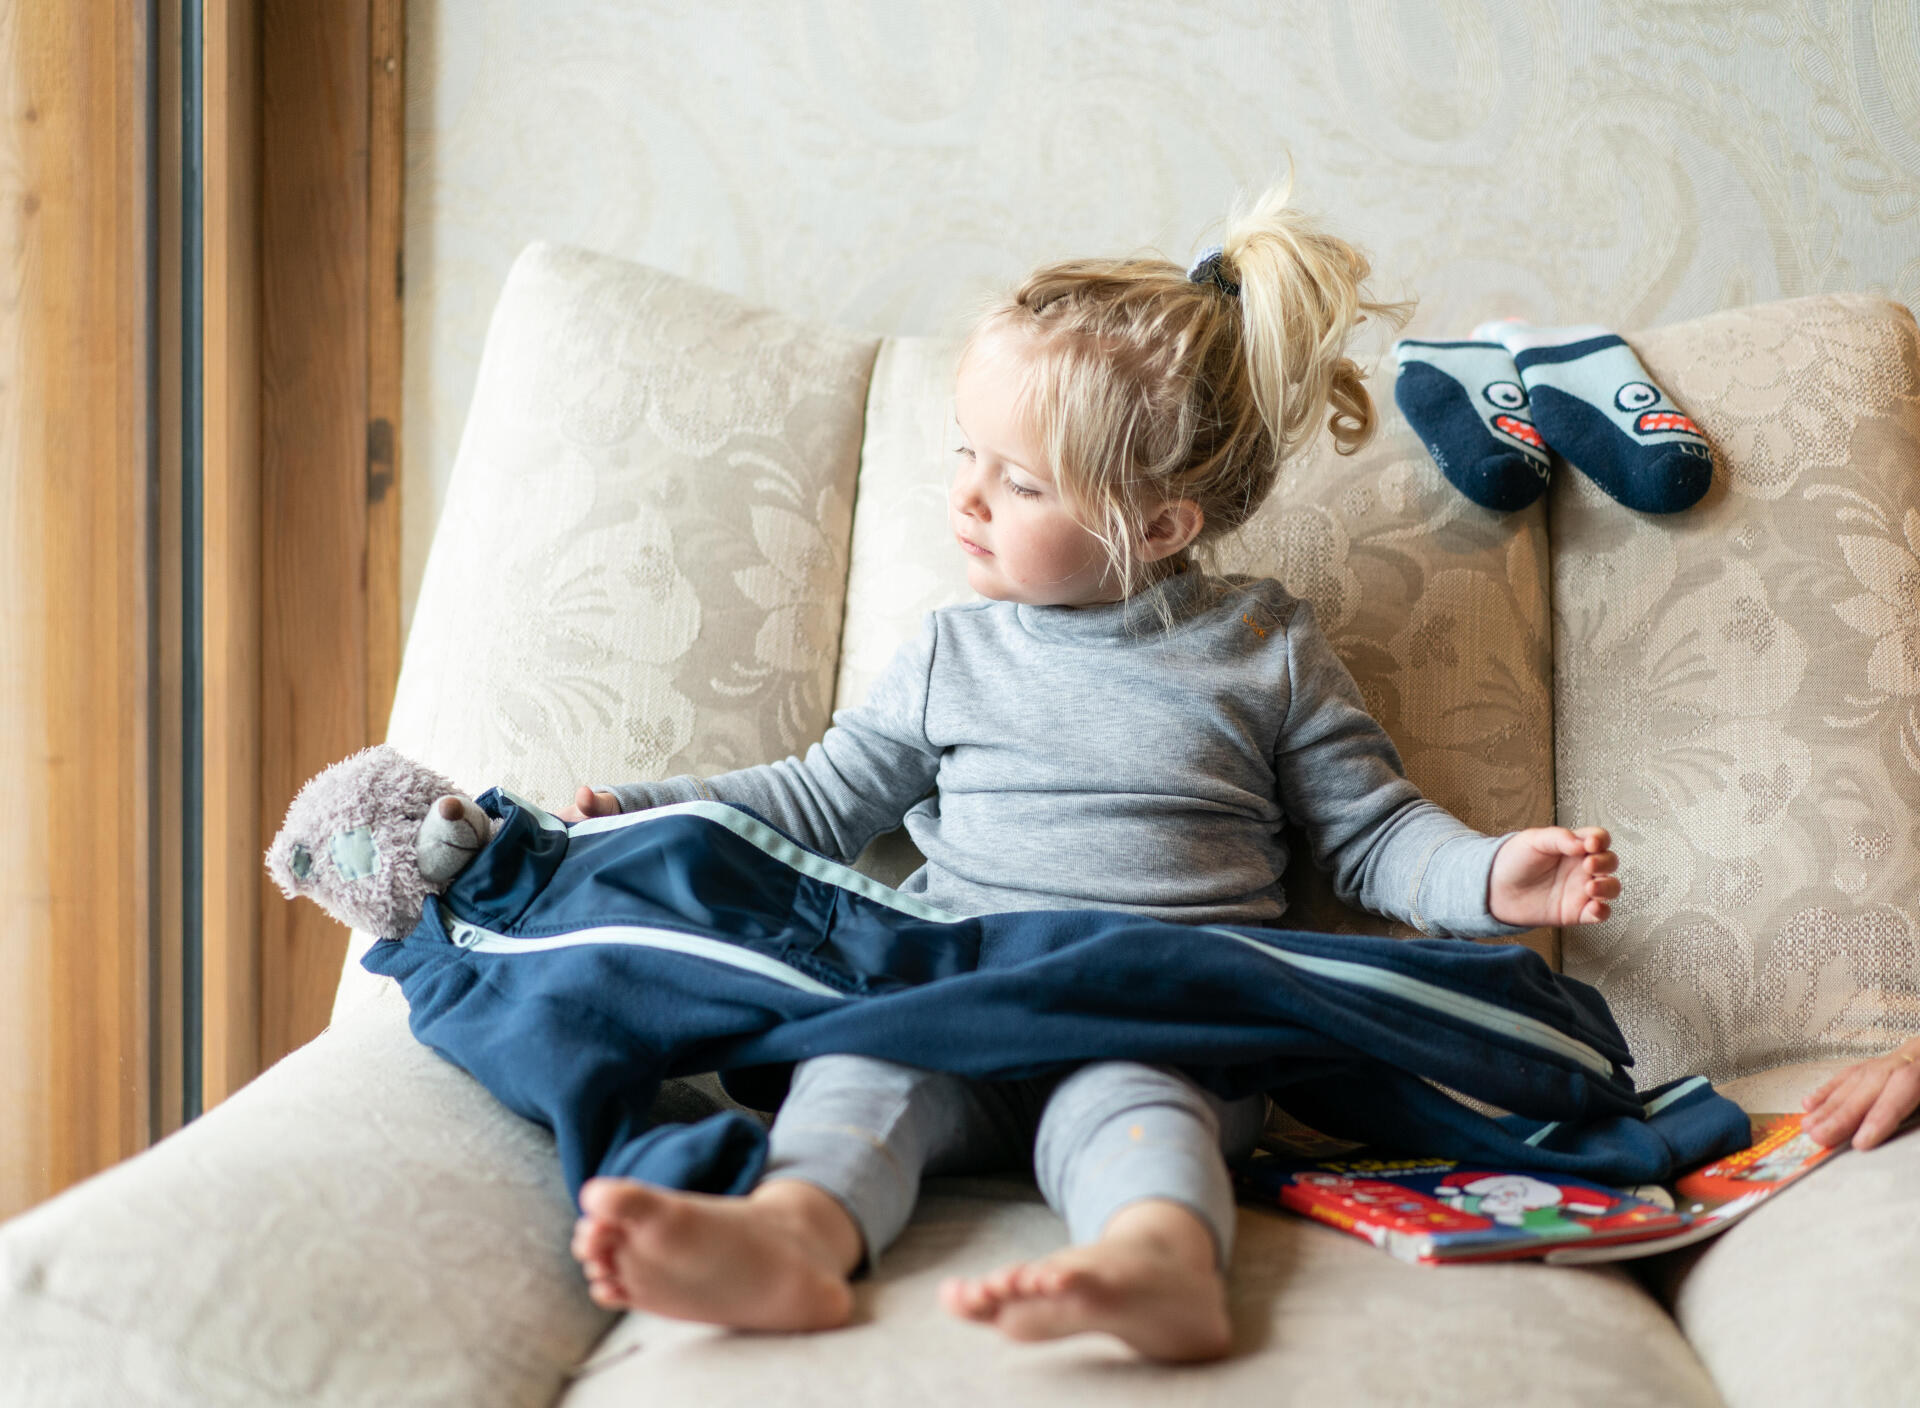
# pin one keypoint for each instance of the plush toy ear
(452, 834)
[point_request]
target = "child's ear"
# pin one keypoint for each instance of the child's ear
(1177, 524)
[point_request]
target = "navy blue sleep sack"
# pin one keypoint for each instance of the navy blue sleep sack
(572, 969)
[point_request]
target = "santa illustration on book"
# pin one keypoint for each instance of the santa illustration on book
(1537, 1204)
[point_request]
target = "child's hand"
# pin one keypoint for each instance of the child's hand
(1550, 875)
(589, 803)
(1867, 1101)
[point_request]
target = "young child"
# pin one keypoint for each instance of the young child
(1110, 727)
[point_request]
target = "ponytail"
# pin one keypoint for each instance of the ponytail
(1145, 383)
(1301, 299)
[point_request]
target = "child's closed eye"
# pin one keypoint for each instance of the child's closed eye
(1020, 490)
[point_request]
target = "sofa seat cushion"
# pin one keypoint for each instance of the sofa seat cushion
(1813, 1298)
(1318, 1318)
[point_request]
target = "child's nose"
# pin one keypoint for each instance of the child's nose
(965, 494)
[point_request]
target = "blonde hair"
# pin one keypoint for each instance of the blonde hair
(1145, 386)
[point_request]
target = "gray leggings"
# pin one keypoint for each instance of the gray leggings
(1103, 1136)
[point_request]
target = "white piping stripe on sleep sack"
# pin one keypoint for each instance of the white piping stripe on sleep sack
(1686, 1087)
(480, 940)
(1481, 1013)
(548, 821)
(1542, 1132)
(758, 833)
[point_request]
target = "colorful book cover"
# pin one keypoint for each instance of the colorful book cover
(1714, 1197)
(1438, 1211)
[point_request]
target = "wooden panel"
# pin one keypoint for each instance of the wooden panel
(232, 838)
(303, 160)
(385, 166)
(74, 718)
(313, 443)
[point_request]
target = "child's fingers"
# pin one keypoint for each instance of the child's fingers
(1822, 1104)
(588, 803)
(1898, 1098)
(1828, 1086)
(1836, 1123)
(1602, 863)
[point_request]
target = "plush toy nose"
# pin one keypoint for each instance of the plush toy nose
(450, 808)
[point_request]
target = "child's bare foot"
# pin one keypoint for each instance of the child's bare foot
(1153, 1285)
(777, 1259)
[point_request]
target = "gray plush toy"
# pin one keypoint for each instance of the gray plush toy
(372, 836)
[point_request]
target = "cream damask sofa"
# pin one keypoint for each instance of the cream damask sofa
(680, 530)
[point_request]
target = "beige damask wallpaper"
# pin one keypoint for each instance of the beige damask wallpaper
(881, 165)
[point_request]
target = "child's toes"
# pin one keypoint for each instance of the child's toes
(595, 1242)
(583, 1241)
(1037, 1280)
(1001, 1284)
(968, 1299)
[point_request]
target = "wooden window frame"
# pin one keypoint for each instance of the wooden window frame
(304, 165)
(144, 706)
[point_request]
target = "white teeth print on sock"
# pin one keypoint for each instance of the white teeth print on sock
(1466, 402)
(1600, 410)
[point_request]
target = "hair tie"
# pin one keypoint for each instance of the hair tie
(1211, 268)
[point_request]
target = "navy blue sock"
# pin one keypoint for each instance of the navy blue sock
(1465, 400)
(1599, 410)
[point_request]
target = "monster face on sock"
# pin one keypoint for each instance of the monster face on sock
(1597, 406)
(1638, 409)
(1467, 402)
(1502, 404)
(1650, 414)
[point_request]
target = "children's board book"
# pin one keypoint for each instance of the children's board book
(1441, 1211)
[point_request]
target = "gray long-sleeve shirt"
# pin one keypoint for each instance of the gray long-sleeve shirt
(1049, 757)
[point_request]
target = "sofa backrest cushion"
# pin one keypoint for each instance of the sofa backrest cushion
(1738, 695)
(640, 566)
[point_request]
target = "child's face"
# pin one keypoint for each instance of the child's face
(1006, 512)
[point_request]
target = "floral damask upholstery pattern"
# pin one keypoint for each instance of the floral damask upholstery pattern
(1737, 693)
(669, 473)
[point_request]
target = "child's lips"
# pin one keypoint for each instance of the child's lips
(971, 546)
